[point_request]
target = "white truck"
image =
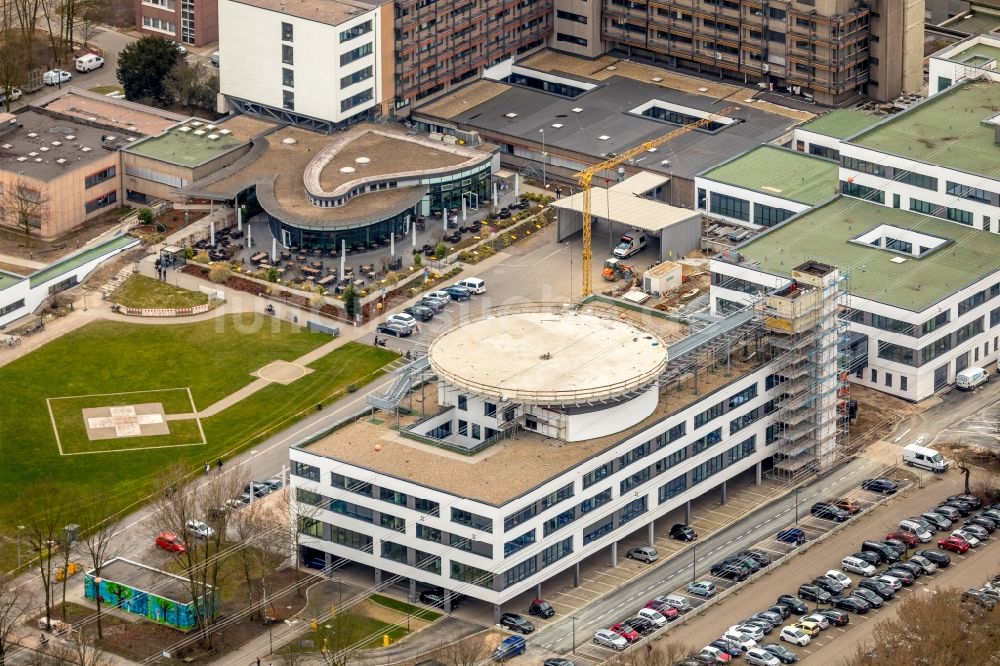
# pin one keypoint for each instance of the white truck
(630, 243)
(89, 62)
(915, 455)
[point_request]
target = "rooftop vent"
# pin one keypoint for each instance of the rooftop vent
(897, 260)
(85, 149)
(347, 169)
(32, 135)
(57, 143)
(199, 132)
(576, 110)
(32, 154)
(132, 128)
(703, 90)
(604, 137)
(70, 137)
(557, 125)
(6, 146)
(44, 149)
(60, 161)
(362, 160)
(109, 137)
(611, 68)
(183, 129)
(212, 137)
(510, 115)
(38, 159)
(225, 131)
(22, 158)
(289, 141)
(210, 127)
(657, 79)
(195, 123)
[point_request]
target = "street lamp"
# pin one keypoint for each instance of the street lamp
(694, 563)
(573, 617)
(544, 176)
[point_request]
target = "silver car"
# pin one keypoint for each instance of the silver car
(610, 639)
(646, 554)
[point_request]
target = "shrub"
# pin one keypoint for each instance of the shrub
(145, 215)
(418, 259)
(440, 251)
(219, 273)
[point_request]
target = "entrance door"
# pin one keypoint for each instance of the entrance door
(941, 377)
(961, 362)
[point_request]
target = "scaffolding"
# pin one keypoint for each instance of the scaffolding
(806, 333)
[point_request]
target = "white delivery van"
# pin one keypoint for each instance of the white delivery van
(473, 284)
(89, 62)
(915, 455)
(970, 378)
(630, 243)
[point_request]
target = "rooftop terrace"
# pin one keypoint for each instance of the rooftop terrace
(841, 123)
(511, 467)
(825, 235)
(108, 111)
(977, 55)
(947, 129)
(189, 144)
(780, 172)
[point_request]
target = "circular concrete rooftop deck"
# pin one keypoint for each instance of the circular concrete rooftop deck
(547, 355)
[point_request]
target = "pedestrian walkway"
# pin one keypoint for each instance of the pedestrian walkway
(21, 261)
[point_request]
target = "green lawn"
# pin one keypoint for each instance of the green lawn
(403, 607)
(346, 630)
(140, 291)
(213, 358)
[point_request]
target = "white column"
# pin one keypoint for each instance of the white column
(239, 217)
(413, 233)
(406, 225)
(517, 186)
(343, 256)
(444, 219)
(496, 199)
(392, 245)
(249, 239)
(211, 232)
(463, 209)
(274, 249)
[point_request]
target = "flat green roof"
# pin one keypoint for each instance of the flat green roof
(841, 123)
(780, 172)
(74, 261)
(978, 23)
(824, 234)
(977, 55)
(946, 129)
(187, 148)
(9, 279)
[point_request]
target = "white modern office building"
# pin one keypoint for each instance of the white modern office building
(551, 433)
(973, 58)
(319, 65)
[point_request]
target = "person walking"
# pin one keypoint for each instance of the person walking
(207, 468)
(218, 464)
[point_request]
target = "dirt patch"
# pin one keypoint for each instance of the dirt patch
(12, 241)
(388, 615)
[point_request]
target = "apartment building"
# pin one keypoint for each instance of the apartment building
(827, 50)
(319, 65)
(192, 22)
(442, 44)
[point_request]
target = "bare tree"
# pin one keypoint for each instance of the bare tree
(963, 461)
(98, 541)
(80, 648)
(25, 206)
(87, 18)
(263, 550)
(27, 20)
(465, 652)
(341, 642)
(14, 602)
(13, 71)
(201, 559)
(44, 530)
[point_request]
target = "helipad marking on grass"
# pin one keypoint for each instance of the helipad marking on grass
(282, 372)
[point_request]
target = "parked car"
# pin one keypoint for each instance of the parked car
(939, 521)
(436, 597)
(782, 610)
(403, 318)
(556, 661)
(170, 542)
(419, 312)
(897, 546)
(517, 623)
(948, 511)
(837, 617)
(926, 566)
(791, 634)
(902, 575)
(850, 602)
(762, 558)
(744, 641)
(729, 647)
(683, 532)
(664, 609)
(541, 608)
(908, 538)
(436, 304)
(394, 328)
(814, 593)
(200, 529)
(892, 581)
(473, 284)
(761, 657)
(880, 485)
(981, 531)
(820, 619)
(645, 554)
(969, 537)
(963, 507)
(458, 293)
(847, 504)
(839, 576)
(828, 584)
(756, 628)
(829, 512)
(274, 483)
(55, 77)
(868, 556)
(509, 647)
(968, 499)
(657, 618)
(730, 572)
(745, 561)
(881, 588)
(626, 632)
(797, 605)
(639, 624)
(703, 588)
(15, 94)
(811, 628)
(992, 514)
(870, 597)
(784, 655)
(677, 601)
(439, 294)
(610, 639)
(858, 566)
(793, 535)
(716, 655)
(940, 559)
(911, 568)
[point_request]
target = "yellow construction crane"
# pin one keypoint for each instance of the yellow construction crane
(586, 176)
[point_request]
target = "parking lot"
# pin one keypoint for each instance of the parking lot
(784, 578)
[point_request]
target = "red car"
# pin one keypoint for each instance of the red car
(908, 538)
(628, 633)
(955, 544)
(664, 609)
(170, 542)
